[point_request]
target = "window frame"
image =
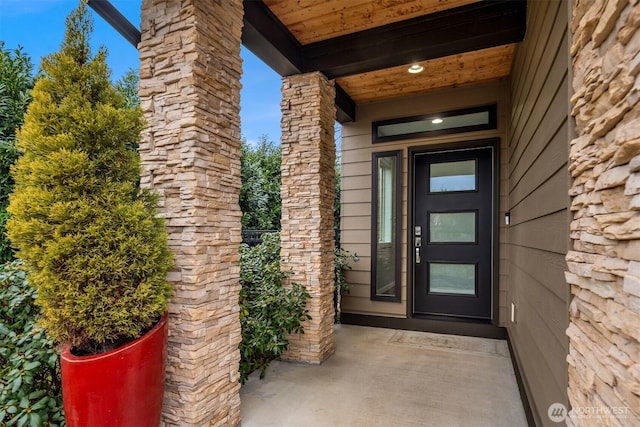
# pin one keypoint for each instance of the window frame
(491, 125)
(397, 243)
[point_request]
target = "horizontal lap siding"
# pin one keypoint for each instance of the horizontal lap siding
(538, 200)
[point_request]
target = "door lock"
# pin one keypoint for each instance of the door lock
(417, 230)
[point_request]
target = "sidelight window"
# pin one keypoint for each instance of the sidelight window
(386, 226)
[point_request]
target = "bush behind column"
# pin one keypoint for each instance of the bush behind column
(96, 251)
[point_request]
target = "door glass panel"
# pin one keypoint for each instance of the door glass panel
(457, 279)
(452, 227)
(452, 176)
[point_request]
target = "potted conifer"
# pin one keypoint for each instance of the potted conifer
(96, 250)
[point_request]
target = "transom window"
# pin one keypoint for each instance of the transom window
(456, 121)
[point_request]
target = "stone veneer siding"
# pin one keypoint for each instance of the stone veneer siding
(190, 93)
(308, 188)
(604, 265)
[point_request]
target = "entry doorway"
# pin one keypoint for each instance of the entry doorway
(453, 232)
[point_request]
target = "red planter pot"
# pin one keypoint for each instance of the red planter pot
(122, 387)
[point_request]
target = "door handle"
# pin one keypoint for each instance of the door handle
(417, 255)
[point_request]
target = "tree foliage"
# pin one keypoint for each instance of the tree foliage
(128, 86)
(95, 249)
(260, 191)
(16, 82)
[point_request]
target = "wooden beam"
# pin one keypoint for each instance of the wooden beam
(268, 39)
(109, 13)
(345, 106)
(463, 29)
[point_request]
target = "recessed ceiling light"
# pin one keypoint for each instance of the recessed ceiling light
(436, 121)
(415, 68)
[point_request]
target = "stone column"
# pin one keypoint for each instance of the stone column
(190, 93)
(604, 265)
(308, 188)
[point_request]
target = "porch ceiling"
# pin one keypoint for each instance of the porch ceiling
(451, 71)
(367, 46)
(313, 21)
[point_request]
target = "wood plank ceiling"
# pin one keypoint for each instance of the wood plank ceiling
(451, 71)
(367, 46)
(312, 21)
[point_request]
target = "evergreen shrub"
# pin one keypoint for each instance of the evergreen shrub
(268, 311)
(30, 389)
(341, 264)
(95, 248)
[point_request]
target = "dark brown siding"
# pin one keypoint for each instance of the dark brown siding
(538, 200)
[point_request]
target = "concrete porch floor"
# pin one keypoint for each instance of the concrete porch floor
(385, 377)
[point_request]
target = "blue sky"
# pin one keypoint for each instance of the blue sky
(38, 26)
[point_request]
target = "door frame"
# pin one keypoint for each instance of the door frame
(494, 143)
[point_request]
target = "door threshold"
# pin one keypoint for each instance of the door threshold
(435, 324)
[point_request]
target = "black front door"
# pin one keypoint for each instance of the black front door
(453, 233)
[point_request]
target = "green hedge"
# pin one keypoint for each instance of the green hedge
(268, 311)
(30, 391)
(16, 82)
